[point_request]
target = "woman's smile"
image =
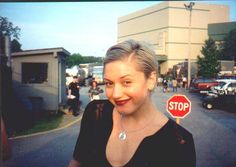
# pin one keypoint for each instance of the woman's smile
(121, 102)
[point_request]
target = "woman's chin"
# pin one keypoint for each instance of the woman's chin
(123, 110)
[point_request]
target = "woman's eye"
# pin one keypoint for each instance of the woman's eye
(108, 84)
(127, 83)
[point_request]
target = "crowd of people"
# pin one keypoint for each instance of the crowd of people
(173, 84)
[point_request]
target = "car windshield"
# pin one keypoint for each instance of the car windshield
(222, 84)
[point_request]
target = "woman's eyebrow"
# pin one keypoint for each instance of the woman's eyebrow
(122, 77)
(106, 79)
(127, 75)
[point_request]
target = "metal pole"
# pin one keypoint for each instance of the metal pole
(189, 7)
(189, 50)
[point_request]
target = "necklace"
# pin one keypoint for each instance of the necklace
(123, 133)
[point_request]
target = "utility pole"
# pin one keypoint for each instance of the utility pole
(189, 8)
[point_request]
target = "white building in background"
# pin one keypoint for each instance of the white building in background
(165, 26)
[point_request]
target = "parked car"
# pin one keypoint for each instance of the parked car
(226, 77)
(202, 85)
(225, 87)
(221, 83)
(227, 102)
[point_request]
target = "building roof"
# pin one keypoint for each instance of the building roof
(59, 50)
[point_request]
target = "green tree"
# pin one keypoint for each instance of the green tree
(208, 65)
(76, 59)
(7, 28)
(92, 59)
(228, 48)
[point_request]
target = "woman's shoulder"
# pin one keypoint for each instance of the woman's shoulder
(178, 129)
(101, 103)
(175, 133)
(98, 108)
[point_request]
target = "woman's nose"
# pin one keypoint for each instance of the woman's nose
(117, 92)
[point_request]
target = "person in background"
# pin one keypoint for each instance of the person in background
(174, 84)
(74, 96)
(184, 82)
(165, 85)
(169, 85)
(128, 128)
(94, 91)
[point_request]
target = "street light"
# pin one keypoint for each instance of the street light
(189, 8)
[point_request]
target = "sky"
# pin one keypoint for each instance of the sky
(88, 28)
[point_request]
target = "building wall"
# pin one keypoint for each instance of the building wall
(47, 90)
(165, 26)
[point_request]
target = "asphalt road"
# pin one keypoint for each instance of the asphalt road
(214, 134)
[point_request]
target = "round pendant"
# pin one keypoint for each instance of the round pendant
(122, 136)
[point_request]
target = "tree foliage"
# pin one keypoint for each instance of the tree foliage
(228, 48)
(208, 65)
(7, 28)
(76, 59)
(73, 59)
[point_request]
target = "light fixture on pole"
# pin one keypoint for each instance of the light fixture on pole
(189, 8)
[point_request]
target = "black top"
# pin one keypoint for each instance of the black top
(170, 146)
(74, 89)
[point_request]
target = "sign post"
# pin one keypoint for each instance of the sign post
(178, 106)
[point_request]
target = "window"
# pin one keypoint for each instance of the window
(34, 72)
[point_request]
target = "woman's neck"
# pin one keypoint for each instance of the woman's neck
(140, 117)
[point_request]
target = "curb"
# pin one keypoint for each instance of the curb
(49, 131)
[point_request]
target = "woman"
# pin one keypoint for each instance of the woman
(94, 91)
(127, 129)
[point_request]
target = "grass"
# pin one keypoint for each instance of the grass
(45, 123)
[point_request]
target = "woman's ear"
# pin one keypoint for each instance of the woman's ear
(152, 80)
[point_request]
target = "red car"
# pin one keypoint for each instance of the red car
(202, 84)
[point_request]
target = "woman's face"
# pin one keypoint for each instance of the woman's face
(126, 87)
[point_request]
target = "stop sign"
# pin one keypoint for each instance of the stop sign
(178, 106)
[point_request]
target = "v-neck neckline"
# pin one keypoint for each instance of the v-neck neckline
(144, 140)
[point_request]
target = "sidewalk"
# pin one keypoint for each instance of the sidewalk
(69, 119)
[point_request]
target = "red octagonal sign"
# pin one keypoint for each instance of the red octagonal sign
(178, 106)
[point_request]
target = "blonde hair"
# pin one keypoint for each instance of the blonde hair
(131, 49)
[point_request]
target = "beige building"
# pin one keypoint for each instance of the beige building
(40, 74)
(166, 27)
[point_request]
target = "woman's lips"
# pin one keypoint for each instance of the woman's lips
(121, 102)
